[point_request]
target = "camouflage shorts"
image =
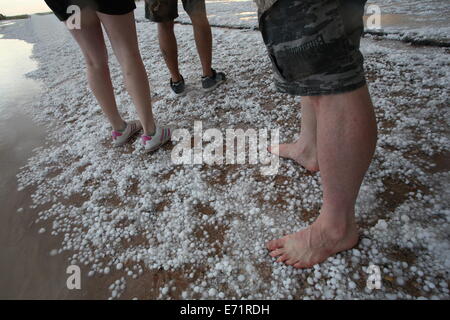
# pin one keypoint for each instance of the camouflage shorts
(167, 10)
(314, 45)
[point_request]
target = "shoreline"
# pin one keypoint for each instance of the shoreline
(18, 17)
(383, 35)
(402, 34)
(23, 16)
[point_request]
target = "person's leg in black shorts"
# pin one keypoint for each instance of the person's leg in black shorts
(164, 12)
(117, 17)
(314, 48)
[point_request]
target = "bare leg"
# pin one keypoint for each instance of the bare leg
(92, 44)
(304, 150)
(346, 142)
(169, 50)
(121, 30)
(203, 40)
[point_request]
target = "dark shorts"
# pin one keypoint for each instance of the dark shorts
(113, 7)
(314, 45)
(167, 10)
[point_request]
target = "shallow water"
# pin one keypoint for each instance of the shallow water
(15, 88)
(18, 134)
(24, 270)
(27, 271)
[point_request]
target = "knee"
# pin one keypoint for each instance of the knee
(166, 26)
(315, 101)
(199, 19)
(132, 63)
(97, 63)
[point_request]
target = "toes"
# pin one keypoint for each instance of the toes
(282, 150)
(299, 265)
(275, 244)
(276, 253)
(291, 261)
(283, 258)
(302, 265)
(274, 149)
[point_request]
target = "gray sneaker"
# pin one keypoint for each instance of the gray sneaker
(178, 87)
(212, 82)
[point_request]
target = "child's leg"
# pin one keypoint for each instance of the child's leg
(121, 30)
(169, 49)
(203, 39)
(92, 44)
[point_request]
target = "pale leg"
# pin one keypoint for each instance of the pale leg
(346, 139)
(92, 44)
(121, 30)
(304, 150)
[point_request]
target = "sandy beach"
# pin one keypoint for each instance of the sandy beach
(141, 227)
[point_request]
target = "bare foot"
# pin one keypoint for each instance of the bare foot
(312, 245)
(305, 156)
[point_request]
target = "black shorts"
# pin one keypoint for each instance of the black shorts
(167, 10)
(112, 7)
(314, 45)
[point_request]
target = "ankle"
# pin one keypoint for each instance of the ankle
(210, 73)
(336, 232)
(119, 126)
(336, 224)
(149, 130)
(306, 141)
(176, 78)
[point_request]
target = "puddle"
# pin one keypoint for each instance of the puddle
(18, 134)
(25, 270)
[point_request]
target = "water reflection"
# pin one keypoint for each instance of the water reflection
(18, 137)
(15, 88)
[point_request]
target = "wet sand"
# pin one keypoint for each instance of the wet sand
(26, 272)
